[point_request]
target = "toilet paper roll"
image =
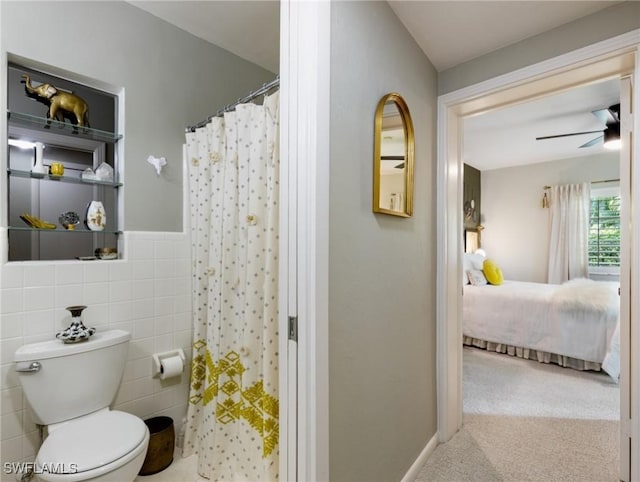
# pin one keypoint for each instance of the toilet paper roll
(170, 367)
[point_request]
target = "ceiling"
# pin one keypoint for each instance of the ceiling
(249, 29)
(453, 32)
(450, 33)
(507, 137)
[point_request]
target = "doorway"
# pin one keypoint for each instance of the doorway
(511, 392)
(614, 58)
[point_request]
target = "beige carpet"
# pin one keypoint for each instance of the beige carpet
(526, 421)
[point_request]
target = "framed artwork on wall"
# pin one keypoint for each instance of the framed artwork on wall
(471, 240)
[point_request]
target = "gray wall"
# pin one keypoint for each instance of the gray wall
(516, 234)
(382, 318)
(585, 31)
(171, 79)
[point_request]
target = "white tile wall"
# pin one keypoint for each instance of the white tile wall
(147, 294)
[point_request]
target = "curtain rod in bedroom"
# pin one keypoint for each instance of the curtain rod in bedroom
(592, 182)
(229, 107)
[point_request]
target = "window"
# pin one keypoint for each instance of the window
(604, 230)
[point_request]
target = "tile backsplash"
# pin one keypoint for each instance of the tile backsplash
(146, 294)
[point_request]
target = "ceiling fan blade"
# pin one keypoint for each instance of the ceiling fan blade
(604, 116)
(392, 158)
(400, 166)
(608, 116)
(567, 135)
(593, 142)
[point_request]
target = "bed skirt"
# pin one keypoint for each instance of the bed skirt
(528, 354)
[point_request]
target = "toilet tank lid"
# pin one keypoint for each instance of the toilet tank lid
(56, 348)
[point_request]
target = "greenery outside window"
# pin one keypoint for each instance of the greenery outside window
(604, 230)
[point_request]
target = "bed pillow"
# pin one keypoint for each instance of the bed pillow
(492, 272)
(476, 277)
(471, 261)
(466, 266)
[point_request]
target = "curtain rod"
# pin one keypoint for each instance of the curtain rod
(266, 87)
(591, 182)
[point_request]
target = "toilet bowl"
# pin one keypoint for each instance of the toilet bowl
(103, 446)
(69, 388)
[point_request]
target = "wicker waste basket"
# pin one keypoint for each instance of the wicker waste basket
(161, 444)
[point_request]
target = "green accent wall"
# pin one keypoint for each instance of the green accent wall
(471, 191)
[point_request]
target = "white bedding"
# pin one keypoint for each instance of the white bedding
(576, 319)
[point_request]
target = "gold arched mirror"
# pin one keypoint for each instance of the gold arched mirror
(393, 158)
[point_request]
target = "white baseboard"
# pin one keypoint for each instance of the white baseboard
(413, 471)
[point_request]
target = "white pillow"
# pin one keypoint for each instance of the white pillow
(473, 261)
(470, 261)
(477, 277)
(466, 266)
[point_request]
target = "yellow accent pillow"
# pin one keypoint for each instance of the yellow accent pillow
(492, 272)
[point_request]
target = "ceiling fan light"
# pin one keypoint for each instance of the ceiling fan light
(613, 145)
(612, 138)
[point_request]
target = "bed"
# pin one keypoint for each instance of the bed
(573, 325)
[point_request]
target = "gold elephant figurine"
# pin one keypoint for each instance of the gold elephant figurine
(59, 101)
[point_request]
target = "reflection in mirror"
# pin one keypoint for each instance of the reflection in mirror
(393, 158)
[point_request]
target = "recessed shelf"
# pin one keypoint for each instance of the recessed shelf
(61, 230)
(70, 179)
(52, 125)
(33, 139)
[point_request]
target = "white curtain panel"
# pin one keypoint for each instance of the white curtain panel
(568, 242)
(232, 420)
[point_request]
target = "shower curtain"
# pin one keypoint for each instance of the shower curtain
(232, 419)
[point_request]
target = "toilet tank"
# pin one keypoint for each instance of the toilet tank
(73, 379)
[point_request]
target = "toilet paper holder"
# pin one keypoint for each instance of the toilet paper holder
(157, 358)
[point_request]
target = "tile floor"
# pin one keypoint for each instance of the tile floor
(180, 470)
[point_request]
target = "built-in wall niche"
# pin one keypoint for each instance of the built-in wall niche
(59, 166)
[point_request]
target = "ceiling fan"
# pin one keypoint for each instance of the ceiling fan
(610, 134)
(394, 158)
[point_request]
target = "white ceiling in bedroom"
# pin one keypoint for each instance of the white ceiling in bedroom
(507, 137)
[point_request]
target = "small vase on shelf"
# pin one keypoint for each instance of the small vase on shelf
(38, 169)
(96, 217)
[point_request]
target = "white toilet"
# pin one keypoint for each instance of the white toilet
(69, 388)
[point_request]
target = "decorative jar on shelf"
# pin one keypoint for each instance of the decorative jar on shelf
(96, 217)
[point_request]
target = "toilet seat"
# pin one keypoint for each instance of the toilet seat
(91, 442)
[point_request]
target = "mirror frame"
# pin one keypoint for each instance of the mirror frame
(409, 143)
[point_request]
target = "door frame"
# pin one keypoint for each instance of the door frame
(305, 62)
(606, 59)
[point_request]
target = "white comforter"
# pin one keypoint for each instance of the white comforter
(576, 319)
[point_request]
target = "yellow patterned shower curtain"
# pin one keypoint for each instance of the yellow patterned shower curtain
(232, 420)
